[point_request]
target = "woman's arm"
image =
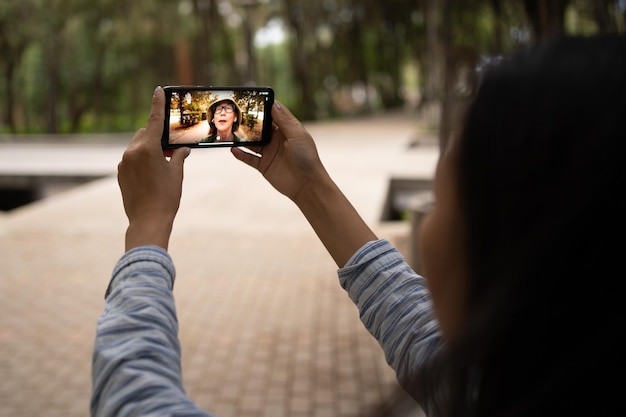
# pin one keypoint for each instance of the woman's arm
(136, 368)
(136, 361)
(395, 307)
(393, 301)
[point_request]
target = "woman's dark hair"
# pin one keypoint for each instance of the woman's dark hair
(541, 173)
(211, 115)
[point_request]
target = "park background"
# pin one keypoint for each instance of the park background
(265, 328)
(84, 66)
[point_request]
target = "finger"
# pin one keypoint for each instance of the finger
(179, 155)
(246, 157)
(284, 119)
(278, 111)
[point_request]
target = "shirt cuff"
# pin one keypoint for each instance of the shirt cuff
(129, 263)
(370, 250)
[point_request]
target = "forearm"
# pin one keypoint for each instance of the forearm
(335, 220)
(394, 305)
(136, 366)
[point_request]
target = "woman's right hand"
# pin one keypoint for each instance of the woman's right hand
(290, 161)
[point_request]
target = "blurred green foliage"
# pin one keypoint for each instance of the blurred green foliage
(71, 66)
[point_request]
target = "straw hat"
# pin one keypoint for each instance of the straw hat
(223, 96)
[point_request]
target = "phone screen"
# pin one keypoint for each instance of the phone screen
(205, 117)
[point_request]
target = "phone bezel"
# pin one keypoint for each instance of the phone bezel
(266, 131)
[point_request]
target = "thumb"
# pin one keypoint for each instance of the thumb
(157, 113)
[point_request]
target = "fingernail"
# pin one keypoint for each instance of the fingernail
(157, 90)
(278, 106)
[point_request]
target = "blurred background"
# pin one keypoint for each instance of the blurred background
(265, 328)
(69, 66)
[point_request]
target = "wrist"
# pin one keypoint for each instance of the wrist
(317, 190)
(148, 232)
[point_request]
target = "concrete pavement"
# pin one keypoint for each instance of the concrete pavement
(265, 328)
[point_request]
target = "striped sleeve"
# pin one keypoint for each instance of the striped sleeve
(136, 368)
(394, 305)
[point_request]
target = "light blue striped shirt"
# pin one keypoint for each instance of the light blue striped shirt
(136, 366)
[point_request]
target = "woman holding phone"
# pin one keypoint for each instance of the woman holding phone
(520, 310)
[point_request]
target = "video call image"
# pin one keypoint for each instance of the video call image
(211, 116)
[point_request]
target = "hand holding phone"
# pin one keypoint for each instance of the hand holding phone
(206, 116)
(151, 185)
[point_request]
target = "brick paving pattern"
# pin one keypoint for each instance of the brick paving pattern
(265, 328)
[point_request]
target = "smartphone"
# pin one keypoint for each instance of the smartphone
(208, 116)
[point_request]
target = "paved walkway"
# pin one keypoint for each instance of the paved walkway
(266, 329)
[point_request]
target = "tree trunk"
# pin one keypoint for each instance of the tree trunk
(9, 101)
(51, 67)
(547, 17)
(446, 44)
(299, 59)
